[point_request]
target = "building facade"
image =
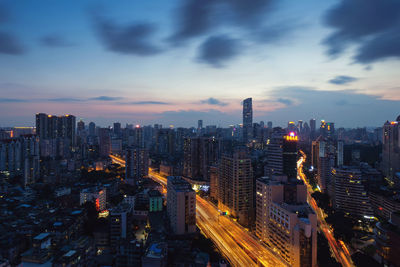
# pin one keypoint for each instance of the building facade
(181, 206)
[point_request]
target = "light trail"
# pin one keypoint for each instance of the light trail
(234, 242)
(341, 253)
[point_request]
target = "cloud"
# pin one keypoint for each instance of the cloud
(213, 101)
(146, 103)
(371, 25)
(10, 45)
(12, 100)
(134, 39)
(54, 40)
(105, 98)
(286, 101)
(200, 17)
(342, 79)
(217, 50)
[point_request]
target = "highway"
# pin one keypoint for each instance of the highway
(341, 252)
(235, 242)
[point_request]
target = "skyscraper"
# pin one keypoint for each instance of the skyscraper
(247, 119)
(199, 154)
(391, 149)
(137, 164)
(104, 142)
(235, 191)
(282, 154)
(57, 129)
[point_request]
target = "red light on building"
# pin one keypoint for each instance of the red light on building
(97, 204)
(380, 208)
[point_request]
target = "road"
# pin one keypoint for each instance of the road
(235, 242)
(339, 249)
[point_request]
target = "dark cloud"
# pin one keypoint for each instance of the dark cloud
(105, 98)
(342, 79)
(286, 101)
(217, 50)
(12, 100)
(147, 103)
(195, 18)
(10, 45)
(65, 99)
(372, 25)
(54, 40)
(135, 39)
(200, 17)
(213, 101)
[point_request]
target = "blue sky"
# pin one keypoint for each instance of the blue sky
(175, 62)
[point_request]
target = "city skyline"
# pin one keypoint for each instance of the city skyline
(108, 63)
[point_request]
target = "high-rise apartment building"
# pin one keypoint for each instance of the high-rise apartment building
(104, 142)
(181, 206)
(285, 222)
(137, 164)
(235, 191)
(323, 159)
(20, 156)
(247, 119)
(349, 194)
(56, 131)
(391, 149)
(199, 154)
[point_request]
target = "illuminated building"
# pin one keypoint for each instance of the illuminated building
(327, 129)
(120, 223)
(349, 194)
(95, 194)
(282, 154)
(387, 240)
(291, 126)
(235, 191)
(285, 222)
(247, 119)
(155, 201)
(214, 182)
(323, 159)
(20, 156)
(181, 206)
(391, 150)
(137, 164)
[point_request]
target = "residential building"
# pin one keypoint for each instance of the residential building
(181, 206)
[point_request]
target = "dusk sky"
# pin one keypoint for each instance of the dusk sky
(177, 61)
